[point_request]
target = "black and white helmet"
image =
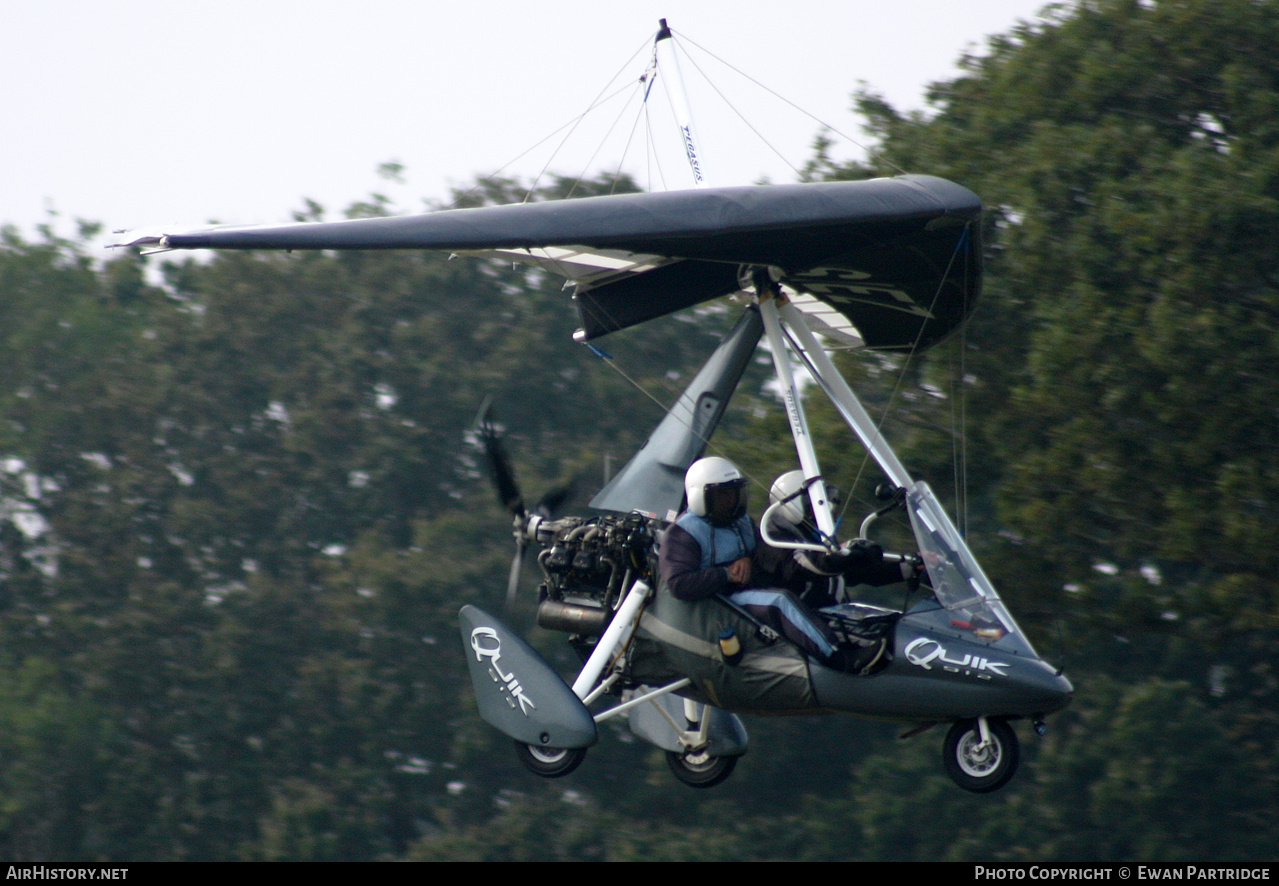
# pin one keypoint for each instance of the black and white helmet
(716, 490)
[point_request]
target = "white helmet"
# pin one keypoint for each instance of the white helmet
(704, 476)
(789, 485)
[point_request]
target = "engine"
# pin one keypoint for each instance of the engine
(588, 564)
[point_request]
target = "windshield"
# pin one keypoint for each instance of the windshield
(960, 585)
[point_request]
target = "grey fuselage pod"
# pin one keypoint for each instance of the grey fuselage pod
(936, 675)
(934, 672)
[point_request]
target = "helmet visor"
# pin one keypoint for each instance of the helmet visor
(725, 502)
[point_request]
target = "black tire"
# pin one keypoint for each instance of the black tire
(549, 762)
(985, 770)
(700, 770)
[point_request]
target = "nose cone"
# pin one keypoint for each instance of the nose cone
(1055, 691)
(1066, 692)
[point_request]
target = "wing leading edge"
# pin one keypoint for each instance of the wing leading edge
(898, 257)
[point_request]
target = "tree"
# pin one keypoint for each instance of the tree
(238, 514)
(1129, 158)
(1128, 155)
(238, 511)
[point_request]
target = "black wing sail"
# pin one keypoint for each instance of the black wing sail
(898, 257)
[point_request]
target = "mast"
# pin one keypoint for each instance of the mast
(664, 54)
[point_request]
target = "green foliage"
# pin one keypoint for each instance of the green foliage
(239, 509)
(56, 748)
(1129, 158)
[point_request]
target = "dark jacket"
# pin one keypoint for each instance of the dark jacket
(693, 574)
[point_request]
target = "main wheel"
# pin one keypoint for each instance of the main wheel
(981, 769)
(700, 770)
(549, 762)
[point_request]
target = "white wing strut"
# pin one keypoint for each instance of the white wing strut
(793, 398)
(842, 396)
(779, 314)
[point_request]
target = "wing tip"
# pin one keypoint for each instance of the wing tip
(147, 242)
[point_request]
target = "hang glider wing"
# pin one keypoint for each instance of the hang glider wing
(894, 263)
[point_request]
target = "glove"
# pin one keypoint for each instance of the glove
(860, 554)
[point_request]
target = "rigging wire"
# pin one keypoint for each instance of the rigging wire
(617, 173)
(612, 363)
(571, 125)
(962, 243)
(782, 98)
(959, 431)
(740, 116)
(582, 177)
(653, 158)
(551, 159)
(601, 98)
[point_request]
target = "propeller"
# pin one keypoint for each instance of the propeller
(509, 496)
(500, 469)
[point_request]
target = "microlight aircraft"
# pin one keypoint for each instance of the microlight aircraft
(888, 264)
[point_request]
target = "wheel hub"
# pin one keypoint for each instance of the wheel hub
(547, 755)
(976, 758)
(698, 759)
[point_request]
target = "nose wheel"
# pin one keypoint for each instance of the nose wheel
(978, 763)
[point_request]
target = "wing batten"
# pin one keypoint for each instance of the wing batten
(581, 265)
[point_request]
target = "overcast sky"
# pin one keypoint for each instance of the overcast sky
(142, 113)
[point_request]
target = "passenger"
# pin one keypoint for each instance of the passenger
(820, 578)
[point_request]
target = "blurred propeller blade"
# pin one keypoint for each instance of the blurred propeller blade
(489, 436)
(500, 469)
(513, 582)
(549, 505)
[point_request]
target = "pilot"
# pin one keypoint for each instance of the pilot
(819, 578)
(711, 549)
